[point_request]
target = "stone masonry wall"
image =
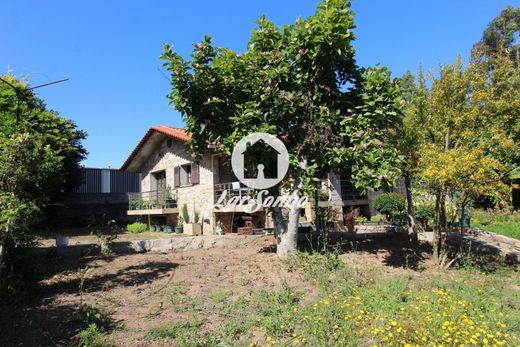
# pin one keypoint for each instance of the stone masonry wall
(198, 197)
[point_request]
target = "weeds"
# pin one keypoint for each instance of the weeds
(92, 337)
(355, 307)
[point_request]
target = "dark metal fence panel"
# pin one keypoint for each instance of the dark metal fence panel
(124, 182)
(91, 182)
(120, 181)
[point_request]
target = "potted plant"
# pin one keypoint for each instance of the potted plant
(194, 228)
(136, 204)
(166, 194)
(156, 203)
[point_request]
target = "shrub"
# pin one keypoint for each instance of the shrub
(424, 212)
(91, 314)
(136, 228)
(390, 204)
(376, 218)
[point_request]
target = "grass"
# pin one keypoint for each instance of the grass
(500, 222)
(355, 307)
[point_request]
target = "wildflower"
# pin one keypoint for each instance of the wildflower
(301, 51)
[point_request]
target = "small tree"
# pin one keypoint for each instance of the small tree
(411, 137)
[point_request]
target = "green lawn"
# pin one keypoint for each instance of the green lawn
(503, 223)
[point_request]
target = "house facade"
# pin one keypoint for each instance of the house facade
(171, 178)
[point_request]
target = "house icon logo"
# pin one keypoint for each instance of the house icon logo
(260, 160)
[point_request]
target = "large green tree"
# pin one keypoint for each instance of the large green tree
(501, 37)
(299, 82)
(40, 155)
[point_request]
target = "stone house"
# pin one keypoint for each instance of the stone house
(172, 177)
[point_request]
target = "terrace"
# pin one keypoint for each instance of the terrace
(154, 202)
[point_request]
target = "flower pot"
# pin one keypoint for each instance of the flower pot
(192, 229)
(169, 203)
(62, 241)
(178, 230)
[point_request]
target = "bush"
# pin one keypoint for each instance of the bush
(136, 228)
(424, 212)
(390, 204)
(91, 314)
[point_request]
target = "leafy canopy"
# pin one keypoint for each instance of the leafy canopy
(299, 82)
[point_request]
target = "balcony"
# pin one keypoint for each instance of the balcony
(224, 192)
(152, 203)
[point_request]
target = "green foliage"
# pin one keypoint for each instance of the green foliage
(92, 337)
(500, 222)
(40, 154)
(40, 151)
(296, 95)
(15, 215)
(185, 334)
(91, 314)
(501, 36)
(185, 214)
(137, 227)
(390, 204)
(361, 219)
(376, 218)
(424, 212)
(299, 82)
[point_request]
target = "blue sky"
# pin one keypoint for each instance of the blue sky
(110, 50)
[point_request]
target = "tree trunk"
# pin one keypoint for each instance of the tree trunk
(440, 225)
(287, 234)
(463, 205)
(412, 231)
(437, 228)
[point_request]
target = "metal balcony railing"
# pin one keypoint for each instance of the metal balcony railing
(231, 189)
(151, 200)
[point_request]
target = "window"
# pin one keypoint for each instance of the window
(160, 180)
(186, 175)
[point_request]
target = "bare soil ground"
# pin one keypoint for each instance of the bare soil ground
(137, 289)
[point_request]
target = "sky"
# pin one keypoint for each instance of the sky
(109, 51)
